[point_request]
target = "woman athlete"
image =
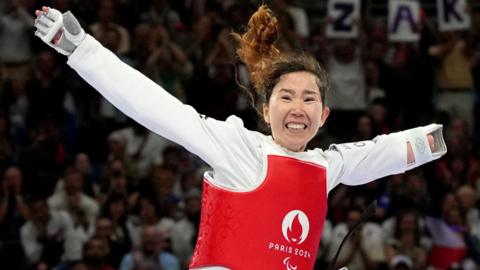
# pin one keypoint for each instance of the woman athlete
(264, 203)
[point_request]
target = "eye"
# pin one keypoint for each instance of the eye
(310, 99)
(285, 97)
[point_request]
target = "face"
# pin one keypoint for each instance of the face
(73, 183)
(148, 214)
(408, 222)
(40, 211)
(164, 180)
(104, 228)
(353, 217)
(82, 162)
(151, 240)
(12, 178)
(295, 111)
(117, 209)
(96, 250)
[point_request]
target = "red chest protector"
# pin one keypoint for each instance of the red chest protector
(276, 226)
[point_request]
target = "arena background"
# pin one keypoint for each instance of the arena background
(69, 158)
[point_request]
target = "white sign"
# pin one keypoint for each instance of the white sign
(403, 20)
(452, 15)
(344, 16)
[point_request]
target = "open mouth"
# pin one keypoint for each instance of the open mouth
(296, 126)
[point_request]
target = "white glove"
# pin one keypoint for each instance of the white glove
(59, 31)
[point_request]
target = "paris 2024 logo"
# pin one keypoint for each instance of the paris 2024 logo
(295, 229)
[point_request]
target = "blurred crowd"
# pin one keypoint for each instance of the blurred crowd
(85, 187)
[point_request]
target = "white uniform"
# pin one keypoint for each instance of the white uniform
(237, 155)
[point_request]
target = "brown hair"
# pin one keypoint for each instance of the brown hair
(266, 64)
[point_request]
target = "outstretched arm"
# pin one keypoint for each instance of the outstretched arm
(361, 162)
(129, 90)
(424, 144)
(219, 143)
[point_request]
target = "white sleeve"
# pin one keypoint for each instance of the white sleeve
(28, 237)
(361, 162)
(218, 143)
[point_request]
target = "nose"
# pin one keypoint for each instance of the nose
(297, 108)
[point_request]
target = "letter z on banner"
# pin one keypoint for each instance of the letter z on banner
(452, 15)
(344, 17)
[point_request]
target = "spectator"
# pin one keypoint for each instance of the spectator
(15, 103)
(364, 130)
(364, 250)
(99, 29)
(348, 96)
(13, 213)
(160, 13)
(117, 242)
(142, 147)
(467, 201)
(43, 236)
(151, 254)
(46, 156)
(149, 214)
(167, 64)
(406, 241)
(115, 182)
(164, 179)
(82, 209)
(117, 148)
(298, 15)
(89, 171)
(113, 227)
(15, 33)
(458, 167)
(96, 252)
(46, 90)
(184, 234)
(401, 262)
(411, 193)
(453, 75)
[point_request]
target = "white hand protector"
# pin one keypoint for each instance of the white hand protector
(420, 146)
(59, 31)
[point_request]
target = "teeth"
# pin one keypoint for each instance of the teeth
(296, 126)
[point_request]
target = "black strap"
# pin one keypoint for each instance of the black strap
(368, 213)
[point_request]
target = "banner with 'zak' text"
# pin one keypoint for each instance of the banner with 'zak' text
(403, 20)
(452, 15)
(344, 17)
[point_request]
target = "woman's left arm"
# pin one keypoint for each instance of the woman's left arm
(361, 162)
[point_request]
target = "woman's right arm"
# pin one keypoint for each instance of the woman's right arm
(146, 102)
(218, 143)
(231, 150)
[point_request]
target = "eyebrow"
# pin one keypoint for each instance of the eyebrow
(304, 92)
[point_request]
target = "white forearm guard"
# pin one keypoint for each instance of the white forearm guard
(419, 141)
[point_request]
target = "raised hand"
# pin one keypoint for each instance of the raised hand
(59, 31)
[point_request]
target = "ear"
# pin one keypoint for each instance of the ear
(324, 116)
(266, 115)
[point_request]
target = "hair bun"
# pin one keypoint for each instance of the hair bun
(264, 26)
(257, 44)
